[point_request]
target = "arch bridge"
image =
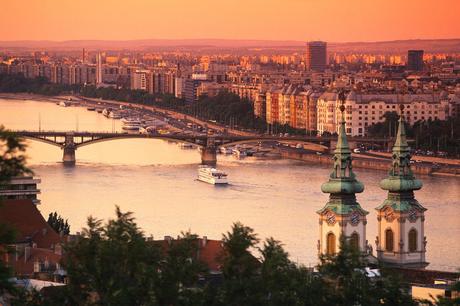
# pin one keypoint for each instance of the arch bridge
(70, 141)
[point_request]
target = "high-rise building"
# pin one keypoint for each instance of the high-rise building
(401, 240)
(142, 80)
(99, 69)
(317, 55)
(415, 60)
(190, 93)
(342, 217)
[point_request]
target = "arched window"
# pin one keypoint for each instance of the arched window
(412, 240)
(354, 241)
(330, 244)
(389, 240)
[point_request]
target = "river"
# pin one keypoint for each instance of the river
(156, 181)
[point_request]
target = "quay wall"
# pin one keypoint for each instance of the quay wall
(367, 163)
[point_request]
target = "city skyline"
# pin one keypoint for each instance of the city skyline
(329, 20)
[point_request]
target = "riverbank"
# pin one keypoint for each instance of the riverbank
(373, 160)
(366, 162)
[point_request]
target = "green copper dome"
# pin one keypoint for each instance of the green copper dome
(342, 184)
(401, 177)
(401, 181)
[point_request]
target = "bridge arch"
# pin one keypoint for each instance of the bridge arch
(134, 136)
(44, 140)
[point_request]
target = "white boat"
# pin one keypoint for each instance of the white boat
(106, 112)
(212, 176)
(225, 150)
(185, 145)
(131, 124)
(64, 104)
(114, 115)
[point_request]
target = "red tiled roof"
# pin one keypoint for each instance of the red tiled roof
(208, 251)
(21, 266)
(27, 220)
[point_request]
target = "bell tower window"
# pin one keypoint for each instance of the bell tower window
(330, 245)
(412, 240)
(354, 241)
(389, 240)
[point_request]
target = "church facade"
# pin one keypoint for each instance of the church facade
(400, 240)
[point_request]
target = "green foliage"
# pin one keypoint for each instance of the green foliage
(386, 128)
(112, 264)
(240, 268)
(179, 271)
(434, 135)
(14, 83)
(12, 156)
(119, 94)
(58, 223)
(344, 273)
(285, 283)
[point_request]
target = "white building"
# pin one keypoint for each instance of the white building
(363, 110)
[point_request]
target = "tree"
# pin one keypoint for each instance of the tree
(240, 268)
(285, 283)
(386, 128)
(180, 270)
(112, 264)
(346, 276)
(58, 223)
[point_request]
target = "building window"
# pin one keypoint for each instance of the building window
(389, 237)
(412, 240)
(330, 244)
(354, 241)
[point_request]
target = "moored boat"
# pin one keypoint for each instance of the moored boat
(131, 124)
(114, 115)
(225, 150)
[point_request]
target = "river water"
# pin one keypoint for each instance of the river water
(156, 180)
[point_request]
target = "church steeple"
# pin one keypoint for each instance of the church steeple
(342, 215)
(401, 239)
(342, 184)
(401, 178)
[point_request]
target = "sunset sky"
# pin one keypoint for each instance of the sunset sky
(330, 20)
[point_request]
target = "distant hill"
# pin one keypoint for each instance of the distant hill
(396, 46)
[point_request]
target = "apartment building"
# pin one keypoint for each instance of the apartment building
(363, 110)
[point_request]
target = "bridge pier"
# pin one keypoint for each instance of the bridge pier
(69, 148)
(209, 153)
(69, 156)
(209, 156)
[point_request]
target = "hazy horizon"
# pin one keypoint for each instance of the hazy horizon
(273, 20)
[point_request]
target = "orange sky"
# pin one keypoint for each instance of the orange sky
(330, 20)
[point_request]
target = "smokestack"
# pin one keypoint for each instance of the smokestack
(83, 56)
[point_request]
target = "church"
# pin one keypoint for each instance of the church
(400, 240)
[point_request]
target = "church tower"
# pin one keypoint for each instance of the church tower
(342, 215)
(401, 241)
